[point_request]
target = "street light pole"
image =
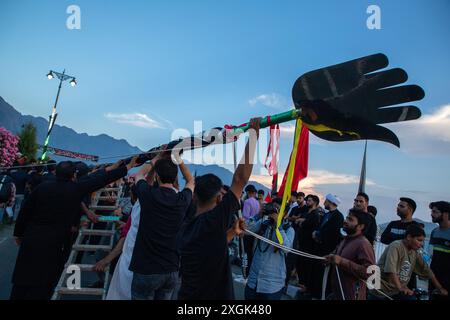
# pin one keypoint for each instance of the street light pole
(52, 119)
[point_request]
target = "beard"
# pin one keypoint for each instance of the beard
(436, 220)
(349, 230)
(401, 215)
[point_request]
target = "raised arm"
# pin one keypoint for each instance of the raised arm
(101, 265)
(244, 170)
(148, 167)
(91, 184)
(187, 176)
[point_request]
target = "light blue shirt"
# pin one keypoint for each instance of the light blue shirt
(268, 269)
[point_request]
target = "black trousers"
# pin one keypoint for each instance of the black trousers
(291, 264)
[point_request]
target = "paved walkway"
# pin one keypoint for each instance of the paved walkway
(8, 254)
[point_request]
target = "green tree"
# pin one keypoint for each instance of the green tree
(28, 145)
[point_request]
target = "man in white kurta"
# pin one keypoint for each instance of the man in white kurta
(120, 286)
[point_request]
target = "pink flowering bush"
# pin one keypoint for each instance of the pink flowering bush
(8, 147)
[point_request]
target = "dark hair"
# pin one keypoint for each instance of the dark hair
(361, 216)
(250, 188)
(442, 206)
(51, 165)
(277, 201)
(411, 203)
(364, 195)
(415, 231)
(314, 198)
(294, 193)
(82, 169)
(226, 187)
(34, 180)
(166, 170)
(65, 170)
(372, 209)
(261, 191)
(300, 194)
(207, 187)
(38, 169)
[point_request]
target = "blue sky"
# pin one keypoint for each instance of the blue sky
(165, 64)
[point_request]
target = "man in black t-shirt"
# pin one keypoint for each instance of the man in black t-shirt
(155, 260)
(396, 230)
(205, 267)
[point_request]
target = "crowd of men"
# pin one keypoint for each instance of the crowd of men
(175, 242)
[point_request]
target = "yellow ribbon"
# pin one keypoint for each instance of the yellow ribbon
(323, 128)
(288, 185)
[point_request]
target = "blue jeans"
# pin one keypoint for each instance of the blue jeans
(251, 294)
(153, 286)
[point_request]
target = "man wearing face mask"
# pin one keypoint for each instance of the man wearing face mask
(352, 257)
(396, 230)
(268, 270)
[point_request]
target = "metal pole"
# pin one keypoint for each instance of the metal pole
(52, 119)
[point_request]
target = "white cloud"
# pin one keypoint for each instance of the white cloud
(271, 100)
(135, 119)
(322, 177)
(314, 179)
(429, 134)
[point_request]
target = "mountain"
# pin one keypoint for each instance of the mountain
(65, 138)
(101, 145)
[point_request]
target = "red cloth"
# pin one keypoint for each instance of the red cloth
(126, 228)
(272, 150)
(301, 163)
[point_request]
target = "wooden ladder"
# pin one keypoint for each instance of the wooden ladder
(61, 288)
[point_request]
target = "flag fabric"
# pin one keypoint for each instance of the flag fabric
(272, 153)
(297, 169)
(301, 162)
